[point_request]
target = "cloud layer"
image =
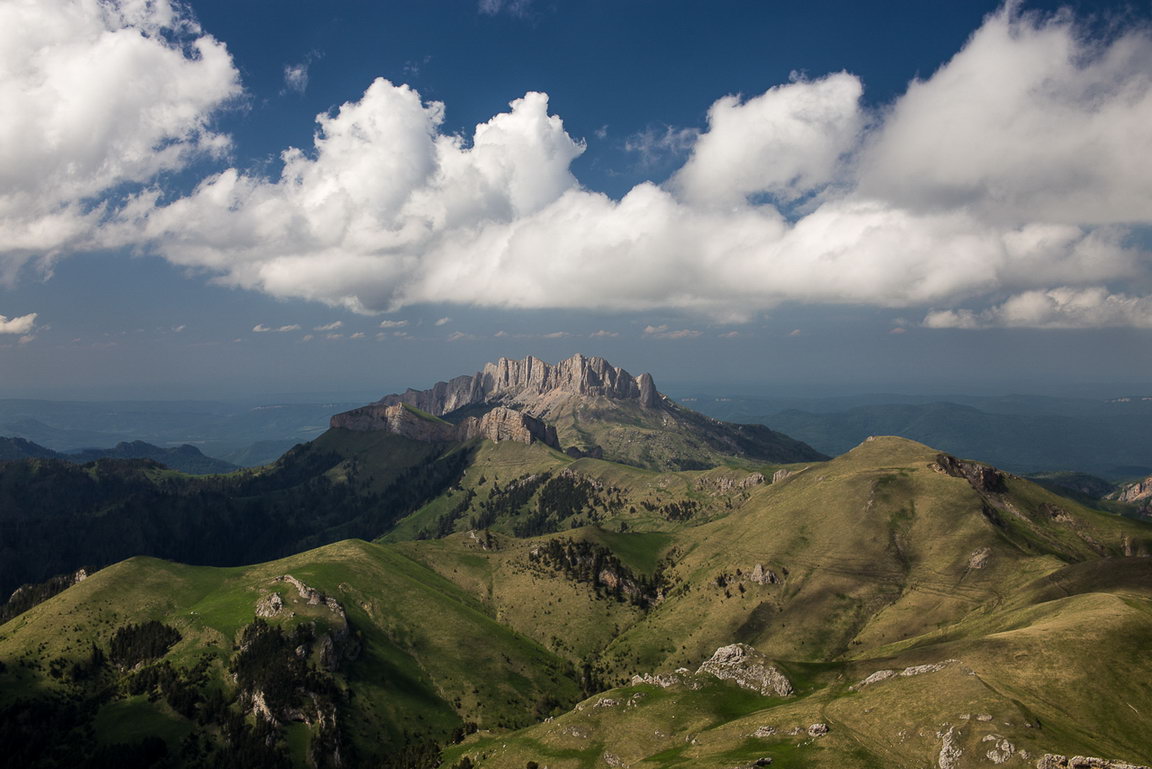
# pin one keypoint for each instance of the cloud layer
(1009, 181)
(1055, 308)
(96, 94)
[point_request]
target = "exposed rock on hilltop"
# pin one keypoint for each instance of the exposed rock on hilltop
(1051, 761)
(747, 668)
(584, 404)
(1138, 493)
(1135, 492)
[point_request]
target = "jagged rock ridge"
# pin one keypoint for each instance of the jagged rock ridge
(524, 382)
(594, 408)
(519, 391)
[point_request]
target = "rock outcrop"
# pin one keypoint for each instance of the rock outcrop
(665, 680)
(950, 750)
(1133, 493)
(983, 478)
(762, 576)
(915, 670)
(269, 606)
(748, 669)
(728, 484)
(1052, 761)
(499, 424)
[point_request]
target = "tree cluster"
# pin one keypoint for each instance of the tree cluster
(133, 644)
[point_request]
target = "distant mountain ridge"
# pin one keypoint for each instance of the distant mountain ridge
(1024, 434)
(186, 458)
(583, 405)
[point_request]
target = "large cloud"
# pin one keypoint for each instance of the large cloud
(364, 218)
(1016, 169)
(96, 93)
(1031, 121)
(785, 143)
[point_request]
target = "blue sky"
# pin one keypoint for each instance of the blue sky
(843, 196)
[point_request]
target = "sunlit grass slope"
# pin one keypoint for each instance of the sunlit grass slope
(430, 658)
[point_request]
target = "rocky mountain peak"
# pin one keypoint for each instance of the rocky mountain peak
(578, 375)
(582, 405)
(515, 393)
(525, 382)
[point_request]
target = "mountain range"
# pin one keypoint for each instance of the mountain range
(1025, 434)
(186, 458)
(558, 566)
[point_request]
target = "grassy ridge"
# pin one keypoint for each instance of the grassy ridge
(1037, 609)
(431, 657)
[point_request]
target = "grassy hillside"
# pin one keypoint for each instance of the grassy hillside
(418, 658)
(56, 516)
(1013, 623)
(668, 437)
(885, 562)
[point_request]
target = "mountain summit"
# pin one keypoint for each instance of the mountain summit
(532, 384)
(582, 405)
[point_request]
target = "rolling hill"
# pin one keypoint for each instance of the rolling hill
(540, 591)
(918, 605)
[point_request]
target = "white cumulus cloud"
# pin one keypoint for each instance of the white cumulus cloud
(1019, 168)
(1062, 307)
(353, 224)
(1031, 121)
(22, 324)
(96, 94)
(787, 142)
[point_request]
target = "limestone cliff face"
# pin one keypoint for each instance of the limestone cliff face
(1136, 492)
(524, 382)
(596, 410)
(499, 424)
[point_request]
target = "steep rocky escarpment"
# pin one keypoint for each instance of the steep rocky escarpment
(499, 424)
(583, 404)
(523, 382)
(1136, 492)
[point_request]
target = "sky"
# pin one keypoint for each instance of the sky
(232, 197)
